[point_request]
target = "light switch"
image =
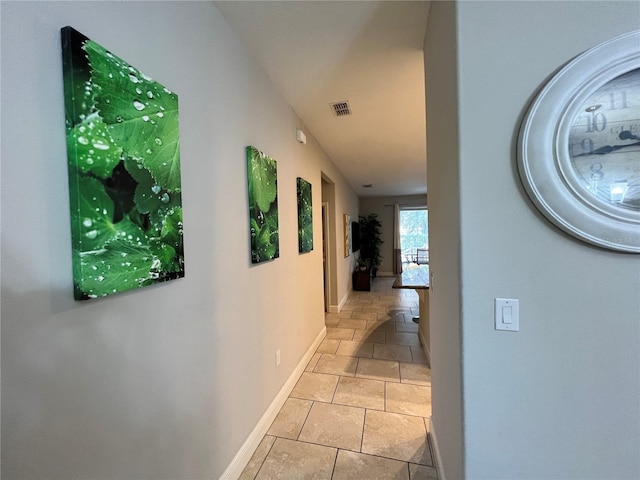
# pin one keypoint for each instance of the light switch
(507, 314)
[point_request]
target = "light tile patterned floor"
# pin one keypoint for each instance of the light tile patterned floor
(361, 409)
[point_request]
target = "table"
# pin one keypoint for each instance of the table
(417, 278)
(410, 258)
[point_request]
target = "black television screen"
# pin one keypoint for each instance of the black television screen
(355, 236)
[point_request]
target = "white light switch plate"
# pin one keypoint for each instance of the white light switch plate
(507, 314)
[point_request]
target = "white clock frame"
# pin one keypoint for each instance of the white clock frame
(544, 163)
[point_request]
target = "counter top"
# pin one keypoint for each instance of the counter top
(416, 278)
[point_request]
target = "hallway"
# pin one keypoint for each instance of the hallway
(361, 409)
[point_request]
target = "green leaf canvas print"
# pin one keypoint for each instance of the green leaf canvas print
(123, 151)
(263, 206)
(305, 217)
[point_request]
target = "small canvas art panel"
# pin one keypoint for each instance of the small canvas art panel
(305, 217)
(123, 155)
(347, 235)
(262, 173)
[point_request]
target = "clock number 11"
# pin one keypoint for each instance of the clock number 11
(622, 100)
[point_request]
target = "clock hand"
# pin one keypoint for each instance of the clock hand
(627, 135)
(607, 149)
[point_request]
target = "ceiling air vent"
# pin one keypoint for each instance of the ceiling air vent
(340, 109)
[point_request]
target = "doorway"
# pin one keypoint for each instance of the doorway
(329, 245)
(325, 253)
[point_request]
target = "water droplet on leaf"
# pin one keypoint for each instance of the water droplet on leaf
(138, 105)
(100, 145)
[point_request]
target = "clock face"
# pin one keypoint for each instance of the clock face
(579, 146)
(604, 143)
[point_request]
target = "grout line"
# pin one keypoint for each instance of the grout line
(385, 396)
(335, 389)
(305, 421)
(335, 462)
(265, 457)
(364, 422)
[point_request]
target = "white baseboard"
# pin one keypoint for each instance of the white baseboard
(338, 308)
(385, 274)
(436, 450)
(425, 346)
(343, 301)
(241, 459)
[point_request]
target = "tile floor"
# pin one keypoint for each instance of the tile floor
(361, 409)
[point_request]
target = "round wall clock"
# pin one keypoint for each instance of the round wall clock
(579, 146)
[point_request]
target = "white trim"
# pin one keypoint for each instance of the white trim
(425, 346)
(436, 450)
(326, 251)
(385, 274)
(242, 457)
(338, 308)
(343, 301)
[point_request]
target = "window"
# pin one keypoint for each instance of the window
(414, 233)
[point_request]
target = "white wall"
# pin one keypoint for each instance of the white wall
(560, 398)
(166, 381)
(443, 186)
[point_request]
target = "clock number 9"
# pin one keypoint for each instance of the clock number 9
(586, 147)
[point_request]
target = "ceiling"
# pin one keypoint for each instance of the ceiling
(368, 53)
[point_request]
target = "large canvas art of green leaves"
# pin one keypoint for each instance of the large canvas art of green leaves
(305, 216)
(123, 153)
(262, 173)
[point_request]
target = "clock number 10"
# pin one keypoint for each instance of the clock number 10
(597, 122)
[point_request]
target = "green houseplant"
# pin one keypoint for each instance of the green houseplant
(370, 241)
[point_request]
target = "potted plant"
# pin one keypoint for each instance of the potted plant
(361, 277)
(370, 241)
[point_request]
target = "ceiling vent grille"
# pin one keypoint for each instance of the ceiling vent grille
(340, 109)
